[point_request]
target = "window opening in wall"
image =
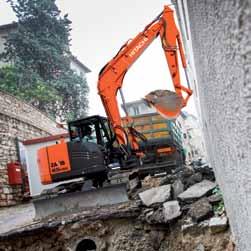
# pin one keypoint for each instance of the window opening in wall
(136, 110)
(185, 18)
(86, 245)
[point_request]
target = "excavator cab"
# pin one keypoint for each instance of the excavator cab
(85, 155)
(95, 129)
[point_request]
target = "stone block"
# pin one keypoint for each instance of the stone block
(218, 224)
(177, 188)
(171, 210)
(6, 190)
(200, 210)
(3, 196)
(3, 203)
(156, 195)
(9, 196)
(197, 191)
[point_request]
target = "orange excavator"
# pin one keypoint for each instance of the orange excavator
(112, 75)
(98, 145)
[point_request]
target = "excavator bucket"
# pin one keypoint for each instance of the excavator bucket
(167, 103)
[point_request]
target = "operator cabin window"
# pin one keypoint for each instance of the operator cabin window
(89, 134)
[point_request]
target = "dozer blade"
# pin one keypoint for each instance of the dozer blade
(167, 103)
(73, 202)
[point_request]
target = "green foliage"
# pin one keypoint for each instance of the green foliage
(39, 52)
(75, 90)
(218, 208)
(41, 40)
(38, 94)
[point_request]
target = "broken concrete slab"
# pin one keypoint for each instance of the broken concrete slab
(200, 210)
(218, 224)
(197, 190)
(177, 188)
(171, 210)
(156, 195)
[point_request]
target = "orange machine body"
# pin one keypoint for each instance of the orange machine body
(112, 75)
(53, 160)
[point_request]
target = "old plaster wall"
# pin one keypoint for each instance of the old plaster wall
(221, 37)
(18, 121)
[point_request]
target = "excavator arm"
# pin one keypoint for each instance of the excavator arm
(112, 75)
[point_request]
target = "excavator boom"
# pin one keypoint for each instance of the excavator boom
(112, 75)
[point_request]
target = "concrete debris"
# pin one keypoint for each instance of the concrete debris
(200, 247)
(177, 188)
(155, 195)
(134, 184)
(169, 179)
(158, 217)
(193, 179)
(197, 191)
(150, 181)
(171, 210)
(186, 175)
(218, 224)
(200, 210)
(187, 225)
(214, 198)
(206, 171)
(155, 217)
(191, 227)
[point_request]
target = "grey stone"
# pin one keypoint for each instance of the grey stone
(193, 179)
(197, 190)
(200, 247)
(191, 227)
(200, 210)
(187, 224)
(218, 224)
(155, 217)
(133, 184)
(156, 195)
(178, 188)
(167, 180)
(75, 226)
(171, 210)
(214, 198)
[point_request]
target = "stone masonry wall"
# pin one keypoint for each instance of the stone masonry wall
(18, 121)
(221, 37)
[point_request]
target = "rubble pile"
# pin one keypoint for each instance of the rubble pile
(189, 194)
(181, 211)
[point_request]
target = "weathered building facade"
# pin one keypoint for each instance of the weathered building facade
(217, 35)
